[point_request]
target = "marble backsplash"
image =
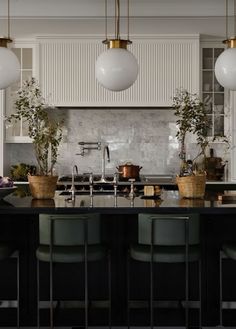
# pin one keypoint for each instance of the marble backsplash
(145, 137)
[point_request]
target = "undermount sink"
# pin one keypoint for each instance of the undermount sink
(94, 193)
(157, 178)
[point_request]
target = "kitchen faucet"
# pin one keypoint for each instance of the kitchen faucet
(104, 152)
(73, 189)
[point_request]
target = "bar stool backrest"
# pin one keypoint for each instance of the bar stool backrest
(69, 230)
(168, 230)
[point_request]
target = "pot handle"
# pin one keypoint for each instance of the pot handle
(119, 172)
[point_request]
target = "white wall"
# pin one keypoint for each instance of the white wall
(95, 8)
(21, 28)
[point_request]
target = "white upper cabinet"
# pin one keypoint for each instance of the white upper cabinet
(25, 50)
(166, 62)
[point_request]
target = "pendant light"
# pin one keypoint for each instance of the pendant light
(117, 68)
(225, 66)
(9, 64)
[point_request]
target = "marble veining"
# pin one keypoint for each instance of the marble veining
(145, 137)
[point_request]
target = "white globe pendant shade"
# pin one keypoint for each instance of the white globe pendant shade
(9, 68)
(116, 69)
(225, 69)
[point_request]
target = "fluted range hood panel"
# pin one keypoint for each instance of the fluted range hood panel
(166, 62)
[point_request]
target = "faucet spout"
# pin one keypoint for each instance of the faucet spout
(105, 151)
(108, 153)
(74, 173)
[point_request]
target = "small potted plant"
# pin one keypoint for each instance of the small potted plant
(192, 118)
(46, 135)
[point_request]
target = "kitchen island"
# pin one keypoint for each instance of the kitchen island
(119, 229)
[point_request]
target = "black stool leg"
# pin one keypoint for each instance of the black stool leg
(128, 288)
(200, 292)
(109, 287)
(151, 274)
(38, 295)
(186, 274)
(221, 287)
(51, 273)
(86, 272)
(18, 289)
(51, 296)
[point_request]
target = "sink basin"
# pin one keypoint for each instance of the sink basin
(104, 192)
(155, 179)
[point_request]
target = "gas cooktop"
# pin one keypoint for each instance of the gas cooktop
(83, 178)
(82, 183)
(142, 180)
(96, 178)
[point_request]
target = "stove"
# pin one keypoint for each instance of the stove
(83, 178)
(82, 184)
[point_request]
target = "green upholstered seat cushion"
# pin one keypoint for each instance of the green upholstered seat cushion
(70, 254)
(230, 250)
(6, 250)
(164, 254)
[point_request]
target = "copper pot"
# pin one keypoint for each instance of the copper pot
(128, 170)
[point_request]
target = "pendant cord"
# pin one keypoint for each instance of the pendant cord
(106, 19)
(8, 19)
(226, 20)
(234, 18)
(117, 20)
(128, 19)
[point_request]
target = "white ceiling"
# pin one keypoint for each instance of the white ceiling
(95, 8)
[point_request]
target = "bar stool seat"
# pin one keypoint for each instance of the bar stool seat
(71, 254)
(230, 250)
(164, 254)
(6, 250)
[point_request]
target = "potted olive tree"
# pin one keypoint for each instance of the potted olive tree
(191, 118)
(46, 135)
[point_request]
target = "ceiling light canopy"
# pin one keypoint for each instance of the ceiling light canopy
(225, 66)
(9, 64)
(117, 68)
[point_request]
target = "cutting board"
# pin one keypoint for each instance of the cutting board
(214, 166)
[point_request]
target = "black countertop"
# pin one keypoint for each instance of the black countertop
(167, 181)
(169, 201)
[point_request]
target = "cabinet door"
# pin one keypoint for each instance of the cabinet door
(17, 132)
(212, 92)
(67, 71)
(220, 107)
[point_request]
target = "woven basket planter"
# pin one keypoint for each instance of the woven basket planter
(191, 186)
(42, 187)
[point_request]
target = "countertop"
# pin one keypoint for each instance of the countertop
(164, 181)
(169, 201)
(151, 179)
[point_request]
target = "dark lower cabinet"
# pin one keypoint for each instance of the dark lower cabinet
(118, 231)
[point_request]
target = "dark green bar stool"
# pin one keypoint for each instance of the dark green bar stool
(8, 250)
(71, 239)
(228, 251)
(166, 239)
